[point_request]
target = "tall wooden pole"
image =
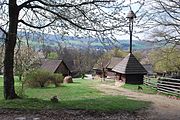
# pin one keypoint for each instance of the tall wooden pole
(130, 31)
(131, 15)
(130, 51)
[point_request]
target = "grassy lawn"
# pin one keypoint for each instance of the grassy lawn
(77, 95)
(146, 89)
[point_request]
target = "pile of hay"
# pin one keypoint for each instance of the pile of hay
(68, 79)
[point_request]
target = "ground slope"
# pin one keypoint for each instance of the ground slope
(163, 107)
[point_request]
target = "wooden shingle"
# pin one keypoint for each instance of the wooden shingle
(129, 65)
(51, 65)
(149, 68)
(56, 66)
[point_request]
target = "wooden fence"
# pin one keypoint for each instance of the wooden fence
(169, 86)
(149, 82)
(165, 85)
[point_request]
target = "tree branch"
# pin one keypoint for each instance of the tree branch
(63, 5)
(4, 3)
(168, 11)
(27, 24)
(61, 17)
(4, 31)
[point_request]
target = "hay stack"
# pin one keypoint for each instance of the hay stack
(68, 79)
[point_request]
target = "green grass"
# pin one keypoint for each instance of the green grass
(146, 89)
(77, 95)
(16, 78)
(152, 80)
(80, 89)
(106, 103)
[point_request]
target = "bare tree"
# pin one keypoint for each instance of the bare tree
(163, 18)
(25, 58)
(101, 17)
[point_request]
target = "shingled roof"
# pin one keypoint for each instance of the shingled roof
(113, 62)
(129, 65)
(51, 65)
(149, 68)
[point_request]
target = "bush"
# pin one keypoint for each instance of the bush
(37, 78)
(56, 79)
(41, 78)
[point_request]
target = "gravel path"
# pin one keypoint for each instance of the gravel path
(163, 108)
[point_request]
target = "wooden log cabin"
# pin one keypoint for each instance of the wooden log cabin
(129, 70)
(56, 66)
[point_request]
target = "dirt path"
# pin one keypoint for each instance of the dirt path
(163, 108)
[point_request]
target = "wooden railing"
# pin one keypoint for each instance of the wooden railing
(148, 81)
(165, 85)
(169, 86)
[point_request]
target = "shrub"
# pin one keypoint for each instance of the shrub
(56, 79)
(37, 78)
(41, 78)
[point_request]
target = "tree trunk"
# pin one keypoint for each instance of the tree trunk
(10, 42)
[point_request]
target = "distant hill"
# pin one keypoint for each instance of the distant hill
(37, 39)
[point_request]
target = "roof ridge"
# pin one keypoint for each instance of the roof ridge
(130, 65)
